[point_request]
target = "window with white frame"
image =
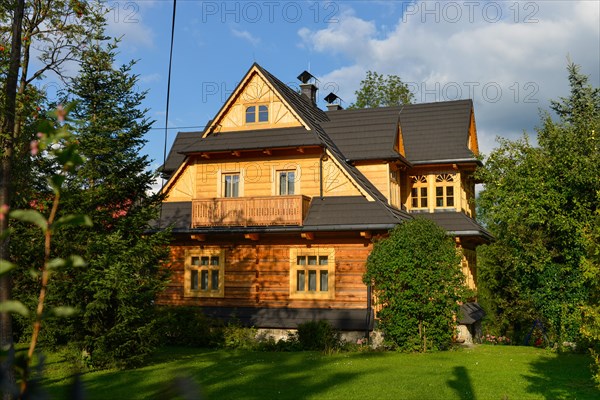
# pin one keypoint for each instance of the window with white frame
(286, 182)
(231, 184)
(204, 273)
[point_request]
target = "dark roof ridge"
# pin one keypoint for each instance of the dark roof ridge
(314, 120)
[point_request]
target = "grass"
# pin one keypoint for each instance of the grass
(483, 372)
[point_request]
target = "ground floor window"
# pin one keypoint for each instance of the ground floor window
(204, 273)
(312, 273)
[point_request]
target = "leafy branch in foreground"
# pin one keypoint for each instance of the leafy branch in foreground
(59, 144)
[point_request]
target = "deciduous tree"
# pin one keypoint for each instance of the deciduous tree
(378, 90)
(417, 278)
(540, 202)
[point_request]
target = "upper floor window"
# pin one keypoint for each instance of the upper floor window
(444, 190)
(418, 192)
(257, 114)
(286, 182)
(231, 185)
(203, 276)
(312, 273)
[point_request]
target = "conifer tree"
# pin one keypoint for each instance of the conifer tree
(116, 291)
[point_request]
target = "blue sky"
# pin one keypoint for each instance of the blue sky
(510, 57)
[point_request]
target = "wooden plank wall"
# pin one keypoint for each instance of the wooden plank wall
(259, 276)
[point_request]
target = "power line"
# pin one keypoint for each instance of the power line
(167, 112)
(169, 83)
(179, 127)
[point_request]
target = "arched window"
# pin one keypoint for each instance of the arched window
(263, 114)
(257, 114)
(251, 114)
(418, 191)
(444, 190)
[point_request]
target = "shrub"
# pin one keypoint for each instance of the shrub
(417, 278)
(236, 336)
(318, 335)
(187, 326)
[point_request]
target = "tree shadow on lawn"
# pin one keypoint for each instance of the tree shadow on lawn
(461, 383)
(561, 376)
(222, 374)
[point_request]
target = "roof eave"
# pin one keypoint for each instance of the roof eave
(288, 229)
(450, 161)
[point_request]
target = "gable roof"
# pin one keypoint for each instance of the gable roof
(302, 105)
(365, 134)
(431, 132)
(436, 132)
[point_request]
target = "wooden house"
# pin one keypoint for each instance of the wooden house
(275, 204)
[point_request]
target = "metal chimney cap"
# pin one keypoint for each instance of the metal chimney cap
(305, 76)
(331, 97)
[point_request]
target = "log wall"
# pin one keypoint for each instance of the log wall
(258, 275)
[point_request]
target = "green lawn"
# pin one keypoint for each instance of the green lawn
(483, 372)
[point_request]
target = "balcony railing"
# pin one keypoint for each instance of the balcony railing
(250, 211)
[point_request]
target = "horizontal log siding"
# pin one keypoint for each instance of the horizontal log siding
(259, 276)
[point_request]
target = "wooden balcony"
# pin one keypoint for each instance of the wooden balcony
(250, 211)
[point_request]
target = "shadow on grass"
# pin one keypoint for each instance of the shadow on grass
(461, 384)
(220, 375)
(559, 376)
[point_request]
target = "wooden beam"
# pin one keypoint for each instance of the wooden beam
(235, 153)
(300, 149)
(366, 234)
(200, 238)
(267, 152)
(205, 155)
(308, 235)
(252, 236)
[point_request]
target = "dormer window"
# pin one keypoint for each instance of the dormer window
(257, 114)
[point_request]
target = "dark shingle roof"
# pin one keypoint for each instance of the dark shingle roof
(176, 214)
(183, 141)
(327, 213)
(303, 106)
(430, 131)
(437, 131)
(364, 134)
(349, 211)
(457, 223)
(255, 140)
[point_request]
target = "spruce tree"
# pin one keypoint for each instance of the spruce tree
(116, 291)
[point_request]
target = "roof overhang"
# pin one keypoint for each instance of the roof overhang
(450, 161)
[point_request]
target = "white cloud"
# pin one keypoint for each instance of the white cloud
(509, 61)
(126, 20)
(149, 78)
(253, 40)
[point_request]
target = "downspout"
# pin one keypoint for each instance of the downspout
(368, 319)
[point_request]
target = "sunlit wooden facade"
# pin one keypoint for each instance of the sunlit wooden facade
(274, 206)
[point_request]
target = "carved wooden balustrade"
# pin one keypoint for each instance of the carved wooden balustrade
(250, 211)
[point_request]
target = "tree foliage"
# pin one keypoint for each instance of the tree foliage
(378, 90)
(540, 202)
(417, 278)
(116, 290)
